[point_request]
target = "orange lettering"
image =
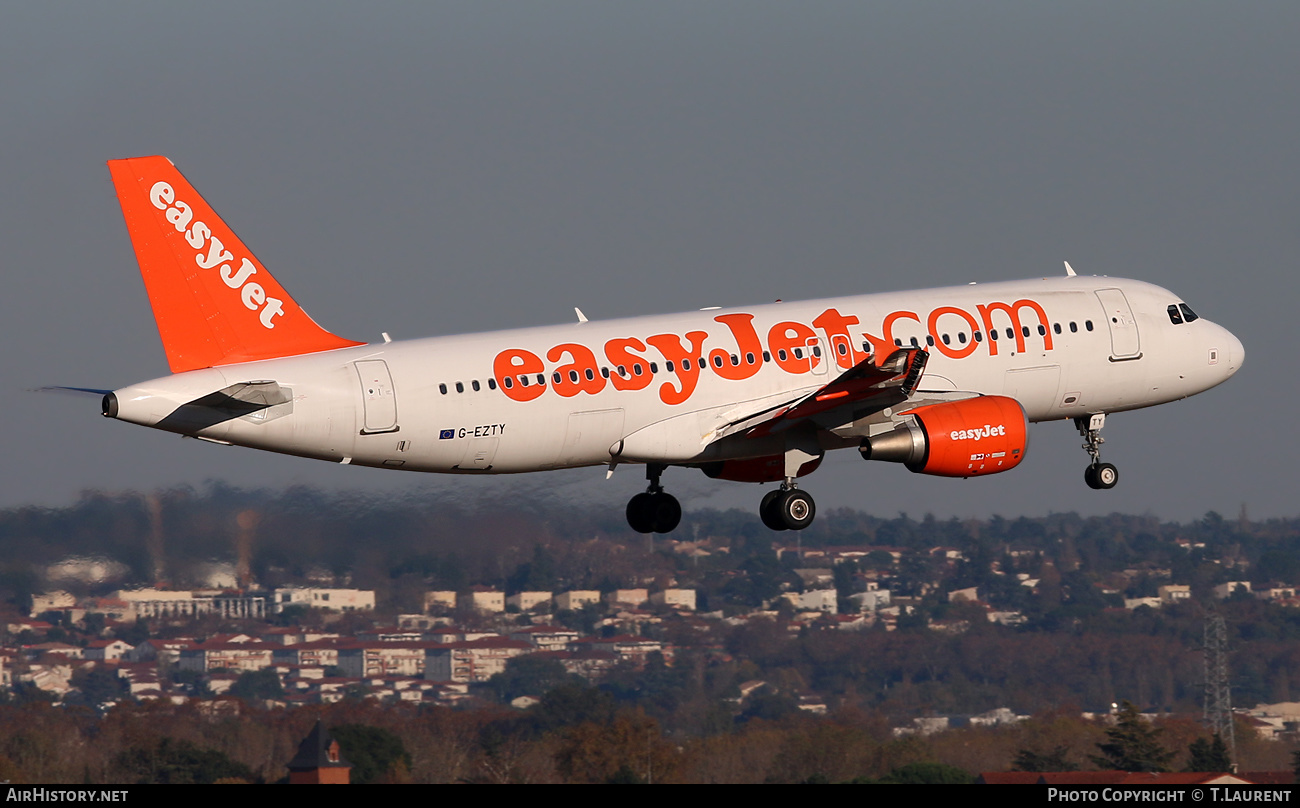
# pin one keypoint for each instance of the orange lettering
(670, 346)
(583, 368)
(947, 350)
(511, 364)
(750, 358)
(888, 325)
(1013, 312)
(784, 338)
(836, 326)
(616, 351)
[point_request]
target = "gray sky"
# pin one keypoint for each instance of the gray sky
(437, 168)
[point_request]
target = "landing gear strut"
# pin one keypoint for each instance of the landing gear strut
(787, 508)
(654, 511)
(1097, 475)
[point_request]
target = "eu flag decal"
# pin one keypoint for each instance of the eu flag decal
(447, 434)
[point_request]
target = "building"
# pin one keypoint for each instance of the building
(334, 600)
(528, 601)
(576, 599)
(473, 661)
(482, 599)
(675, 599)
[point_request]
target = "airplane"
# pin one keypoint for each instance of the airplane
(944, 381)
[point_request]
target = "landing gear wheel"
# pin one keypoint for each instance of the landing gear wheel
(769, 512)
(665, 512)
(1102, 476)
(1106, 476)
(639, 515)
(796, 509)
(654, 513)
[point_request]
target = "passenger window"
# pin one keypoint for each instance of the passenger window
(961, 337)
(604, 372)
(492, 384)
(1011, 334)
(1042, 330)
(1087, 324)
(1073, 327)
(817, 350)
(798, 354)
(929, 340)
(558, 378)
(1024, 329)
(735, 360)
(474, 384)
(654, 367)
(509, 382)
(622, 371)
(573, 376)
(541, 379)
(946, 341)
(591, 376)
(978, 337)
(1188, 314)
(523, 380)
(442, 388)
(460, 388)
(1056, 327)
(767, 357)
(993, 334)
(636, 369)
(669, 365)
(749, 359)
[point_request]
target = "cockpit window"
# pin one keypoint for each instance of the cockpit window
(1174, 316)
(1188, 314)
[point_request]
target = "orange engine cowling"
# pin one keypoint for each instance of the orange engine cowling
(756, 470)
(967, 438)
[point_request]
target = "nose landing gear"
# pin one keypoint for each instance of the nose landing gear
(1097, 475)
(654, 511)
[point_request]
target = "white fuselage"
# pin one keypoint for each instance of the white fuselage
(444, 404)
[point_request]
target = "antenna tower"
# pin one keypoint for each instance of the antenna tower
(1218, 697)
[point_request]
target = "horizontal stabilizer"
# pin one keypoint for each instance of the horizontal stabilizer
(73, 391)
(235, 401)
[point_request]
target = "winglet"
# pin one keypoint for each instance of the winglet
(214, 302)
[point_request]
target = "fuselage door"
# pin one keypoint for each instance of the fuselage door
(819, 356)
(1124, 342)
(378, 398)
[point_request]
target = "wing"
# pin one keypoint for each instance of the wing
(866, 387)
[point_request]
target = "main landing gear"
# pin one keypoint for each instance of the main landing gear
(1098, 475)
(787, 508)
(654, 511)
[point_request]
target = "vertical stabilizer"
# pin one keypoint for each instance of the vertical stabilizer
(214, 302)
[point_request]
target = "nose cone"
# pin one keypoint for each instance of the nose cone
(1236, 352)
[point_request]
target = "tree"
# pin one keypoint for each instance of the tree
(1209, 756)
(376, 754)
(258, 685)
(528, 675)
(173, 761)
(1133, 745)
(1053, 761)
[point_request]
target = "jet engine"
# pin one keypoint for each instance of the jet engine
(968, 438)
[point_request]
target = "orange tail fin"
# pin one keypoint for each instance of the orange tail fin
(214, 301)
